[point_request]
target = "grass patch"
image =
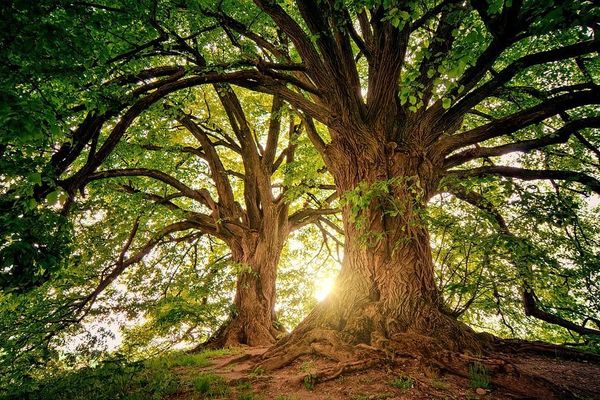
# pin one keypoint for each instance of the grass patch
(202, 359)
(118, 378)
(402, 382)
(181, 360)
(257, 372)
(309, 382)
(439, 384)
(110, 379)
(210, 385)
(478, 376)
(244, 390)
(244, 386)
(308, 366)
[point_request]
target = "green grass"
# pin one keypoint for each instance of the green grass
(478, 376)
(183, 359)
(111, 379)
(439, 384)
(257, 372)
(309, 382)
(210, 385)
(244, 386)
(402, 382)
(308, 366)
(244, 390)
(117, 378)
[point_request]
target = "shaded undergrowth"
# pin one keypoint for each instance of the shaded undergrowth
(119, 379)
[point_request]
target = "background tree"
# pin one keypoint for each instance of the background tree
(240, 162)
(64, 121)
(255, 234)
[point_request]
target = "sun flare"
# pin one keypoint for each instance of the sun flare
(323, 288)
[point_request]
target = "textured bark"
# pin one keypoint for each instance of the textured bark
(385, 297)
(256, 254)
(254, 321)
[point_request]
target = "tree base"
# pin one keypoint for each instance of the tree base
(236, 332)
(436, 342)
(431, 333)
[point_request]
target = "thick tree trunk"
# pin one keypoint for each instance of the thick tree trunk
(385, 297)
(253, 320)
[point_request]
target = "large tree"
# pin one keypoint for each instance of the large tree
(414, 96)
(403, 100)
(408, 93)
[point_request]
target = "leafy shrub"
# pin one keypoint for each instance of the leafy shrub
(111, 379)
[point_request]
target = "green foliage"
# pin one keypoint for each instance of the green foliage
(395, 197)
(34, 242)
(402, 382)
(117, 378)
(111, 379)
(478, 266)
(478, 376)
(385, 194)
(210, 385)
(309, 382)
(309, 368)
(61, 62)
(186, 359)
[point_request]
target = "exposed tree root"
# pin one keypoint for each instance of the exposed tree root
(323, 342)
(417, 347)
(503, 373)
(544, 349)
(342, 368)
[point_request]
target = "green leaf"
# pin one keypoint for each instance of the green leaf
(56, 196)
(35, 178)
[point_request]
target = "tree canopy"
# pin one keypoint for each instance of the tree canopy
(174, 162)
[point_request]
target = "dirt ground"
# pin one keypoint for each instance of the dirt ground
(401, 379)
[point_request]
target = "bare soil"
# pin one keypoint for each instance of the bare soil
(397, 379)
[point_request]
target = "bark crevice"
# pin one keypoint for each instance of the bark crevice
(385, 298)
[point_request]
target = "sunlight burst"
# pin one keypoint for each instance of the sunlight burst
(323, 288)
